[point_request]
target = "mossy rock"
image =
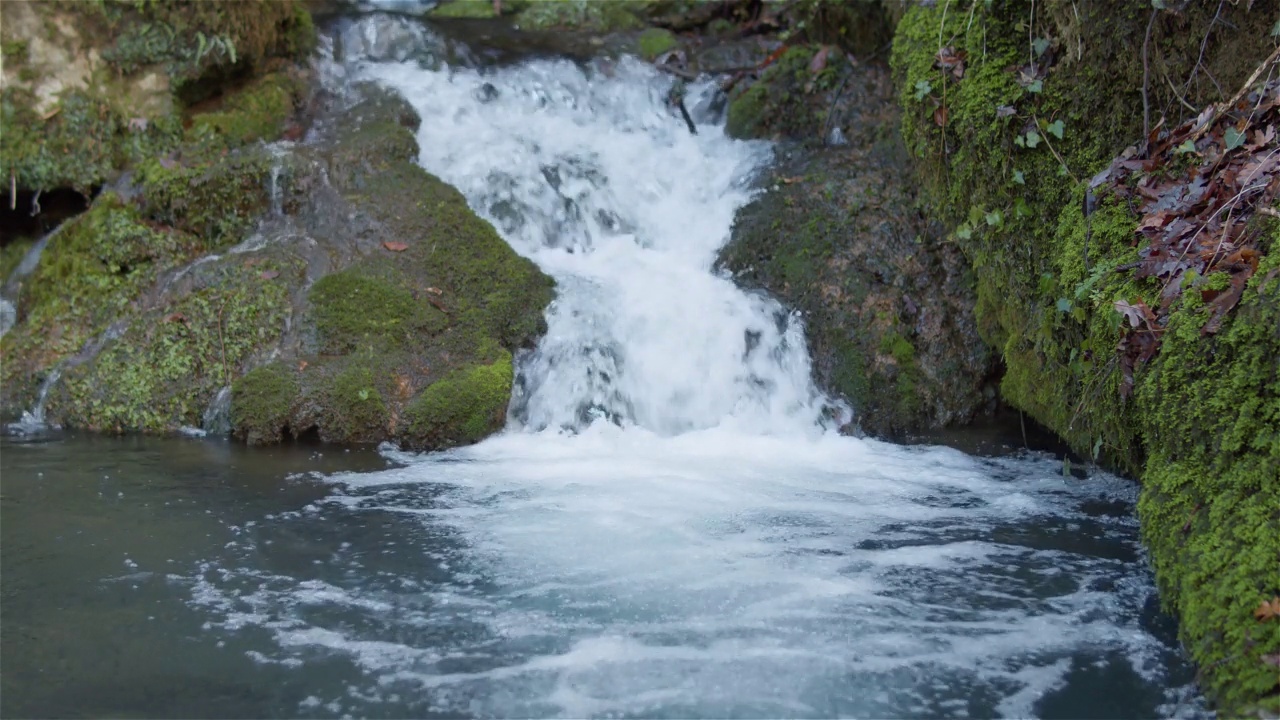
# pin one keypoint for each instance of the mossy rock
(1200, 429)
(888, 309)
(109, 81)
(654, 42)
(788, 99)
(432, 294)
(262, 403)
(159, 374)
(256, 111)
(217, 200)
(586, 15)
(464, 407)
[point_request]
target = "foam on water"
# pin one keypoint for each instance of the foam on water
(667, 528)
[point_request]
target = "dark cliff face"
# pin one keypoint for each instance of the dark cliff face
(838, 234)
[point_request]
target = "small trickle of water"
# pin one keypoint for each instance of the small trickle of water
(217, 417)
(8, 316)
(33, 420)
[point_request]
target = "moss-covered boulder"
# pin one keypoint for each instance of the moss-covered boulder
(1009, 117)
(325, 288)
(888, 306)
(422, 300)
(90, 88)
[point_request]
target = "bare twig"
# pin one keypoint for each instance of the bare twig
(1146, 73)
(1203, 44)
(222, 343)
(1063, 163)
(1225, 107)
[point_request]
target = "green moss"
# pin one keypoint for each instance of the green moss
(11, 254)
(217, 199)
(1210, 502)
(1202, 425)
(76, 147)
(354, 309)
(262, 403)
(356, 410)
(655, 41)
(257, 111)
(161, 373)
(588, 15)
(464, 9)
(463, 407)
(788, 99)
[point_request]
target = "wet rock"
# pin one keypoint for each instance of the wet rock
(332, 288)
(888, 306)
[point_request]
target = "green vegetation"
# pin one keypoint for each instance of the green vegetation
(654, 42)
(464, 407)
(163, 370)
(262, 403)
(1006, 146)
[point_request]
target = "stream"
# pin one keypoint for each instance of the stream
(670, 526)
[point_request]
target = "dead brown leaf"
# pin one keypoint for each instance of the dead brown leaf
(395, 246)
(1269, 609)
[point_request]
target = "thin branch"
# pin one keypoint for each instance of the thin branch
(1146, 73)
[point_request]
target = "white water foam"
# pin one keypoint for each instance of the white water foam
(667, 528)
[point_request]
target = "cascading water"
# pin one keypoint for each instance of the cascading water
(669, 526)
(598, 181)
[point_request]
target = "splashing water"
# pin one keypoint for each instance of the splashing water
(669, 527)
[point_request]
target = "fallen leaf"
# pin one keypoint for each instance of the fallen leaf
(176, 317)
(948, 58)
(819, 61)
(435, 291)
(791, 180)
(49, 115)
(394, 246)
(302, 366)
(1004, 111)
(270, 274)
(1273, 660)
(940, 116)
(1268, 609)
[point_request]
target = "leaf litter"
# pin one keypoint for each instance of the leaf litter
(1197, 187)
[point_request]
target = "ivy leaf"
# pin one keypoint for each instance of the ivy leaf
(1040, 45)
(1021, 209)
(1033, 138)
(923, 88)
(1018, 177)
(995, 218)
(1064, 305)
(1055, 128)
(1187, 146)
(1234, 138)
(964, 232)
(1035, 86)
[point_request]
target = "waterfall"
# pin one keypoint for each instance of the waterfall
(591, 174)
